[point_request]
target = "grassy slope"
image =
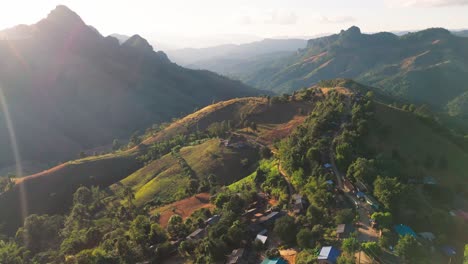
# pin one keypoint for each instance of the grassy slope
(164, 178)
(415, 140)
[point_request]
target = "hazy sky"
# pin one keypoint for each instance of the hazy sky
(208, 22)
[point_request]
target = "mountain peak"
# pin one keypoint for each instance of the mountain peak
(352, 31)
(137, 42)
(64, 15)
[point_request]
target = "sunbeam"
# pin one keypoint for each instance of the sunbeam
(15, 149)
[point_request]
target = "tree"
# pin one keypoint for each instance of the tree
(6, 183)
(387, 191)
(384, 219)
(314, 215)
(260, 176)
(186, 248)
(387, 239)
(115, 145)
(176, 227)
(306, 257)
(40, 232)
(409, 249)
(236, 233)
(11, 253)
(78, 218)
(285, 228)
(344, 155)
(129, 195)
(83, 195)
(139, 229)
(350, 245)
(362, 170)
(265, 152)
(193, 186)
(135, 138)
(304, 238)
(313, 154)
(235, 205)
(221, 199)
(346, 259)
(344, 216)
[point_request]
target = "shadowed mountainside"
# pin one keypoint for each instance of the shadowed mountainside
(74, 89)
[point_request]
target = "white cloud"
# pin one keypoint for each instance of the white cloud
(336, 20)
(426, 3)
(281, 18)
(246, 20)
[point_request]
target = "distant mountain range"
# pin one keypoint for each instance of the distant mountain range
(68, 88)
(225, 56)
(429, 66)
(461, 33)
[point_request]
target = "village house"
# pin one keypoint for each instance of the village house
(213, 220)
(404, 230)
(328, 255)
(237, 256)
(262, 239)
(343, 230)
(274, 261)
(299, 204)
(197, 234)
(269, 219)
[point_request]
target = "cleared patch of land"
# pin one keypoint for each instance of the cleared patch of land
(184, 207)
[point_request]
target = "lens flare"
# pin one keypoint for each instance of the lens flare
(15, 149)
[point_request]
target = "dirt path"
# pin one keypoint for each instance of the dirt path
(366, 232)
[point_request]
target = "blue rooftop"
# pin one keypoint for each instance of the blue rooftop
(404, 230)
(360, 195)
(449, 251)
(274, 261)
(327, 165)
(329, 253)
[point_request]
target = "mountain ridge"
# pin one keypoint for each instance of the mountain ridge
(69, 84)
(424, 67)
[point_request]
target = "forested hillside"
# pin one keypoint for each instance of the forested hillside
(428, 66)
(69, 89)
